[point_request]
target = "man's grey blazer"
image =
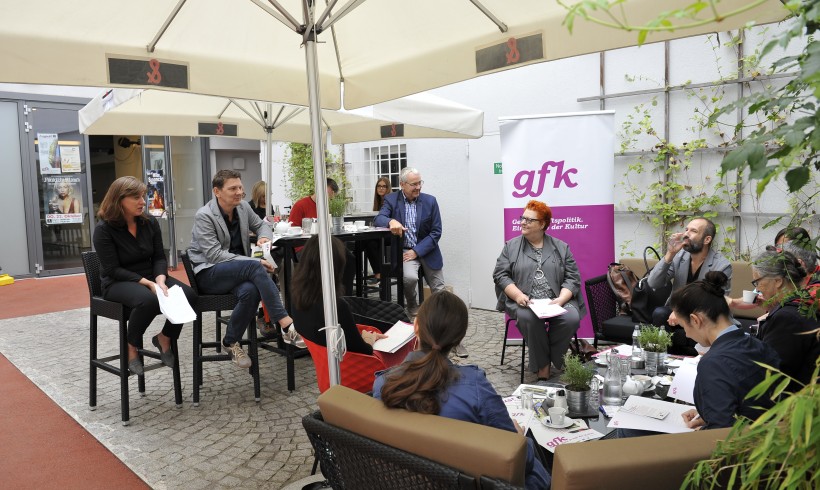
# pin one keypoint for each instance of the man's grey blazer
(210, 238)
(678, 270)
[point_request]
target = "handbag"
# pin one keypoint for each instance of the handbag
(644, 298)
(622, 280)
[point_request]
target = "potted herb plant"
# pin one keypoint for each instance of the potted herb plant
(654, 341)
(577, 377)
(337, 206)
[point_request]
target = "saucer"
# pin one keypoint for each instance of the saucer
(601, 362)
(567, 422)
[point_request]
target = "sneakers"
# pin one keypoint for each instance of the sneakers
(461, 351)
(291, 336)
(238, 356)
(266, 330)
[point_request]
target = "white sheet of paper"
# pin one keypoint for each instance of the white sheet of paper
(671, 424)
(552, 438)
(683, 384)
(543, 308)
(175, 306)
(398, 335)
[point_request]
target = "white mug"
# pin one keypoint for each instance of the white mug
(359, 225)
(557, 415)
(294, 230)
(749, 296)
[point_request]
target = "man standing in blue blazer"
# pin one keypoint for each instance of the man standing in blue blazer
(415, 217)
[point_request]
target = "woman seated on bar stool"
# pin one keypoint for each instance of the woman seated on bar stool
(308, 304)
(427, 382)
(133, 265)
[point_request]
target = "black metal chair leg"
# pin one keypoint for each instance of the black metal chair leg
(197, 357)
(506, 333)
(92, 375)
(124, 375)
(523, 357)
(253, 350)
(176, 375)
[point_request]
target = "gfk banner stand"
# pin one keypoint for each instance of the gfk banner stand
(566, 161)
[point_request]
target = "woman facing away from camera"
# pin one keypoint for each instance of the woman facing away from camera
(308, 303)
(427, 382)
(133, 266)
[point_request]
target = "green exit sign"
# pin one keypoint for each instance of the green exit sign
(497, 168)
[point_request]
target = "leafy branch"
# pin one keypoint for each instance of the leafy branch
(688, 17)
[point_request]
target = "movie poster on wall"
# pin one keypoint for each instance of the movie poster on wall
(156, 192)
(49, 152)
(566, 161)
(63, 200)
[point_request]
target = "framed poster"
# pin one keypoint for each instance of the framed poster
(62, 200)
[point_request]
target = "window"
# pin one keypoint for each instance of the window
(367, 166)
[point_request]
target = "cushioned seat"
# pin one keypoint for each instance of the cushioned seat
(473, 450)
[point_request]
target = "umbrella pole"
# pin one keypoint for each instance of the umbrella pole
(320, 184)
(269, 159)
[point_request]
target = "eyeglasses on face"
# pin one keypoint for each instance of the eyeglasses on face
(415, 184)
(381, 186)
(529, 221)
(757, 281)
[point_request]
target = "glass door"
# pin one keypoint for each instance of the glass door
(159, 198)
(60, 177)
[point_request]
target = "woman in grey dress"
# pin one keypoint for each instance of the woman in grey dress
(536, 265)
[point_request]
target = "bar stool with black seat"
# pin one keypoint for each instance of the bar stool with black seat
(218, 303)
(119, 312)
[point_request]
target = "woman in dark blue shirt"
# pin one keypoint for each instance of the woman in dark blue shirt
(427, 382)
(133, 265)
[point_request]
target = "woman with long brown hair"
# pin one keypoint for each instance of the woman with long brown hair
(373, 248)
(133, 266)
(427, 382)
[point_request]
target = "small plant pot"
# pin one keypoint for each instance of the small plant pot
(655, 363)
(338, 224)
(578, 401)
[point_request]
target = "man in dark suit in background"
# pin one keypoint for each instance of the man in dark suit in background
(416, 218)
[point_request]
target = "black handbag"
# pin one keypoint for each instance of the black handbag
(644, 298)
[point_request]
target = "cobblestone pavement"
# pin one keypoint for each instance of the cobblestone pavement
(229, 441)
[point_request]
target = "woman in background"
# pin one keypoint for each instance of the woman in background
(373, 248)
(427, 382)
(133, 266)
(258, 201)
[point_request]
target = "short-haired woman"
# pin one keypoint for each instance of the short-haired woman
(427, 382)
(133, 266)
(778, 276)
(536, 266)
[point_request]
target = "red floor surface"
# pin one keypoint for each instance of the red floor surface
(41, 446)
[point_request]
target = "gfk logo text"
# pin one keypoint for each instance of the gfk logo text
(524, 180)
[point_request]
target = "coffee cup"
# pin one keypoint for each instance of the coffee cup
(557, 415)
(359, 225)
(749, 296)
(294, 230)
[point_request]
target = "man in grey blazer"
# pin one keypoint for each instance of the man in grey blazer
(689, 256)
(220, 255)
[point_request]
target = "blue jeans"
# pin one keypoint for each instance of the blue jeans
(247, 280)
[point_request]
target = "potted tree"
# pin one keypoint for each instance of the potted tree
(337, 206)
(577, 377)
(654, 341)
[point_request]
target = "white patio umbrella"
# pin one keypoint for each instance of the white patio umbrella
(381, 49)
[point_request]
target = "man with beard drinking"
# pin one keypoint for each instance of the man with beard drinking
(689, 256)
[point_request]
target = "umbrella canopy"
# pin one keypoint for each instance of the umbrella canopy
(380, 49)
(254, 49)
(158, 112)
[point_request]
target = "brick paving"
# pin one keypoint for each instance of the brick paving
(229, 441)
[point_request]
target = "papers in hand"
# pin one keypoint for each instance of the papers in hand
(683, 385)
(544, 308)
(175, 306)
(672, 423)
(398, 335)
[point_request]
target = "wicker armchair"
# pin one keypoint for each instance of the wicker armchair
(376, 313)
(603, 311)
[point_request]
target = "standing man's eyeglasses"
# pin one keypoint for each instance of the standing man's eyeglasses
(415, 184)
